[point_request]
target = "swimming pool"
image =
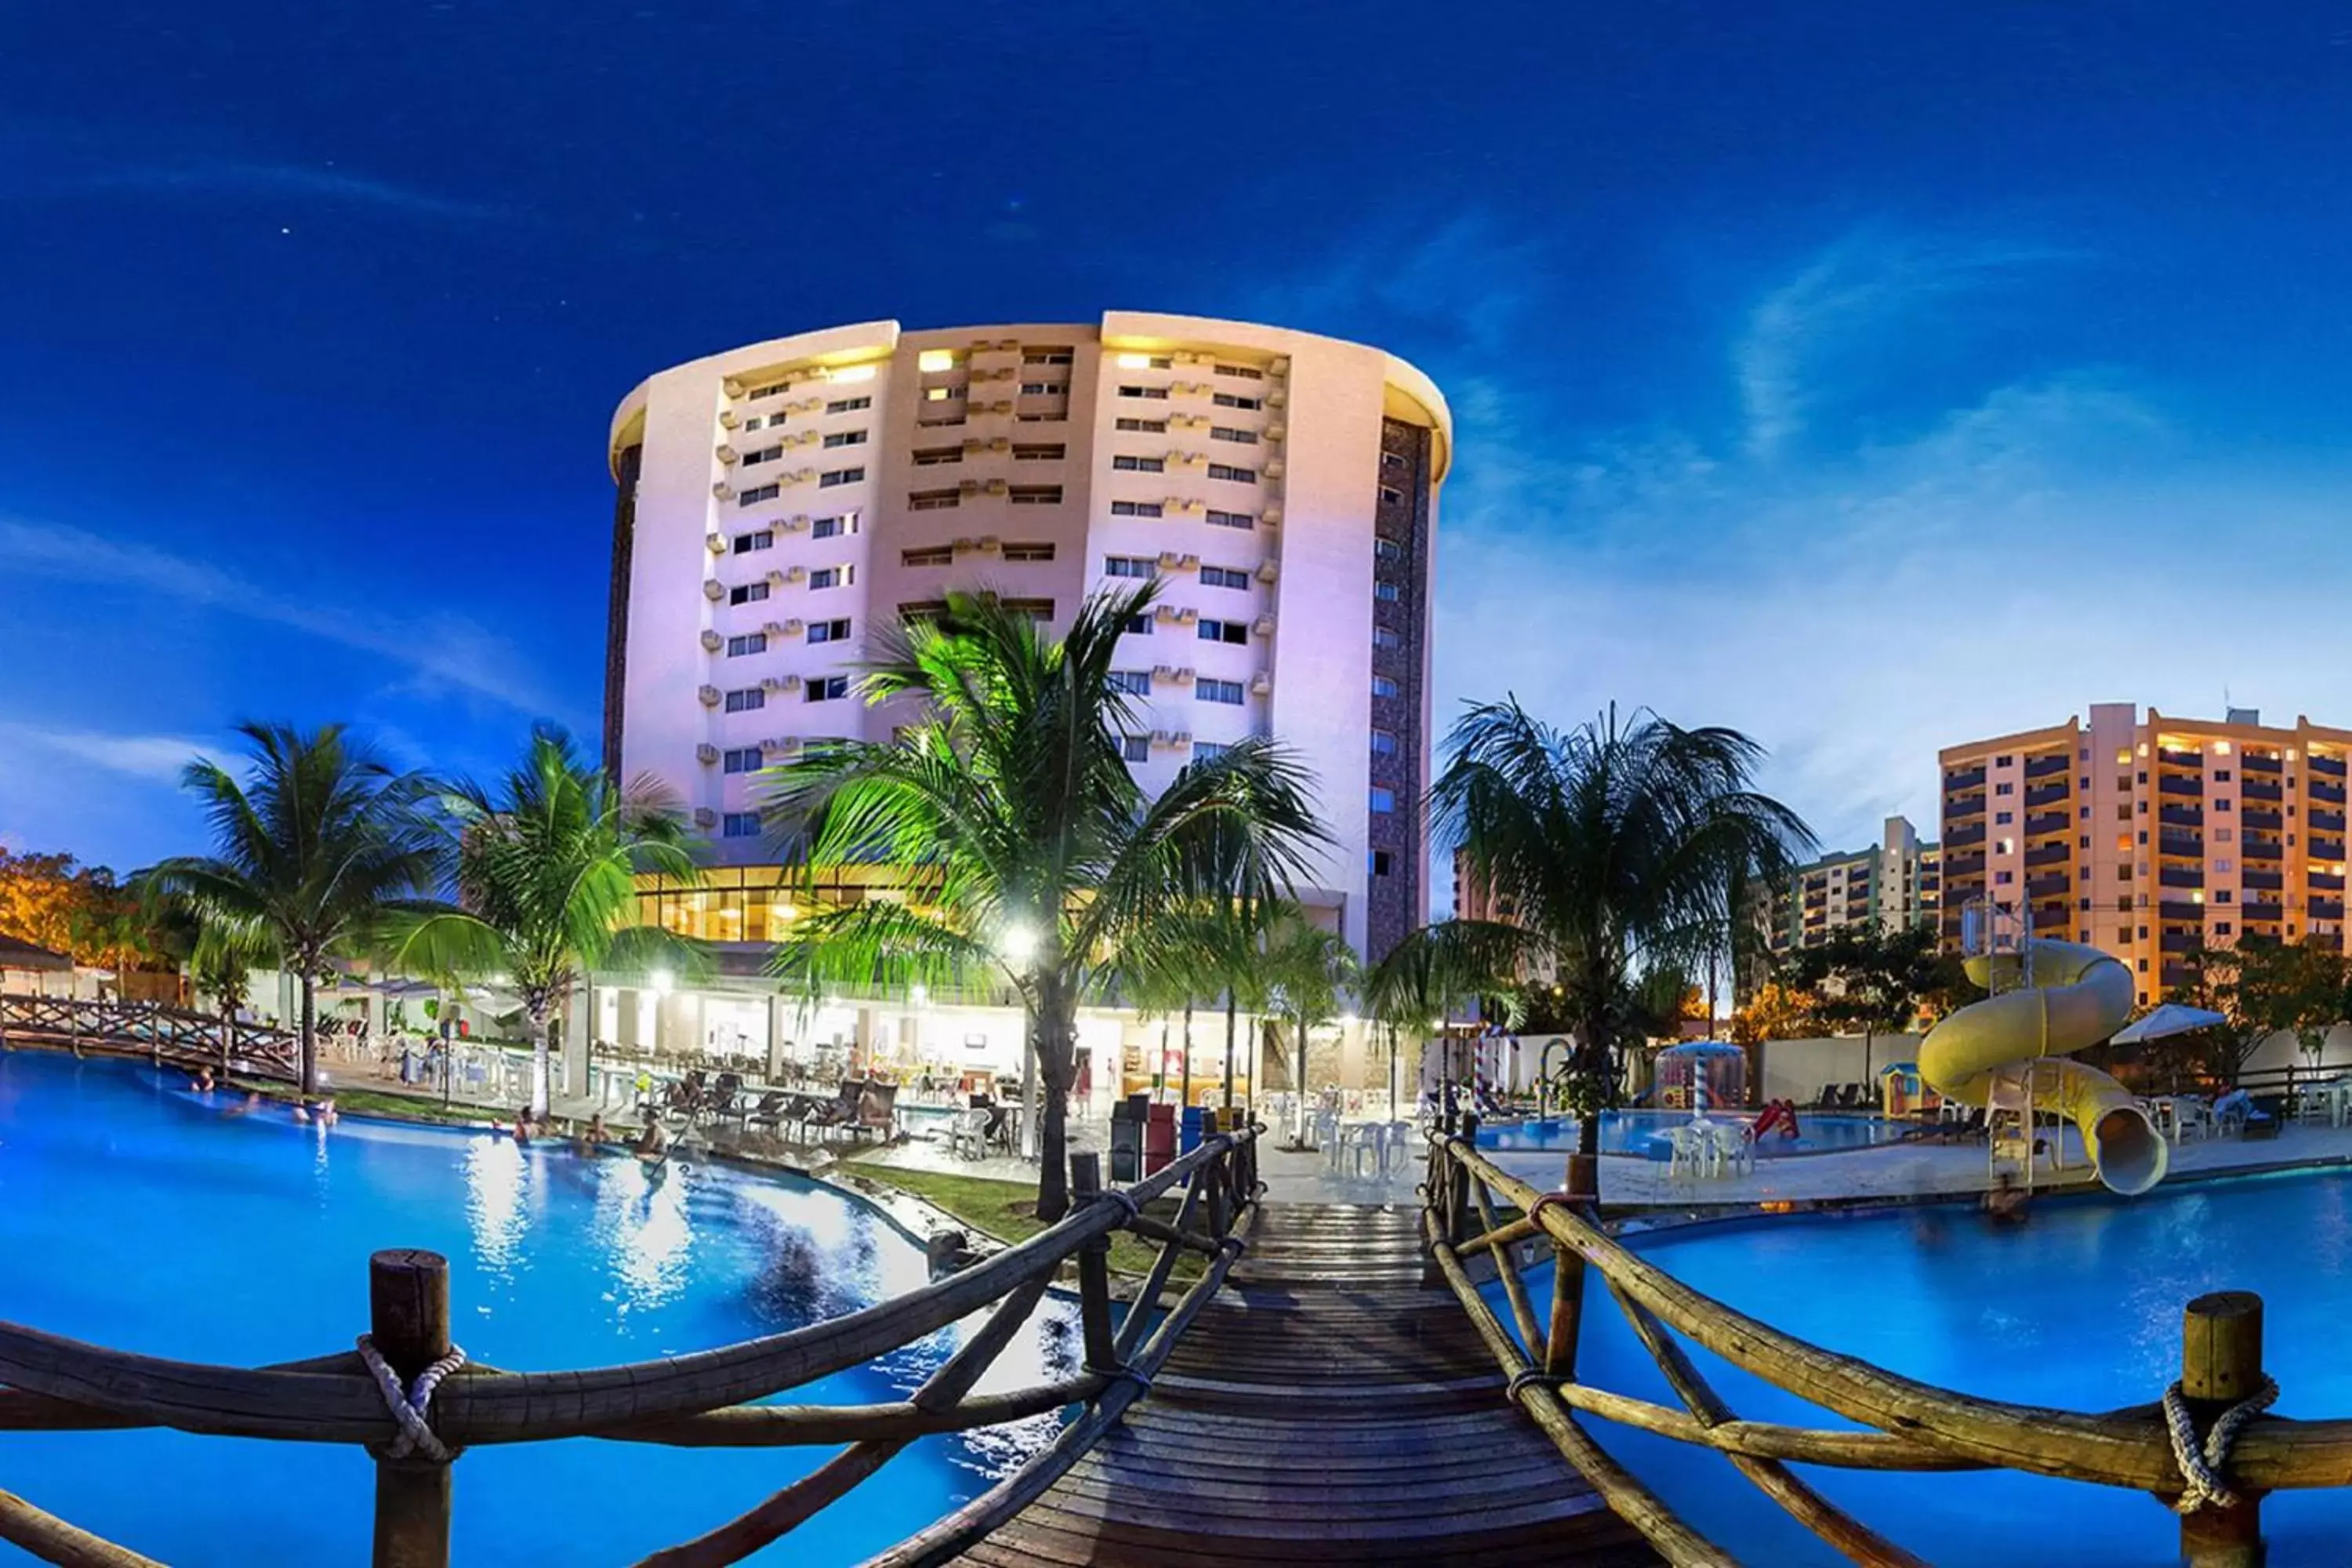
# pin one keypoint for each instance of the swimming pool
(1630, 1132)
(2080, 1309)
(133, 1215)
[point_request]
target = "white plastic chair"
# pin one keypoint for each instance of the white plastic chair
(1735, 1145)
(1684, 1166)
(1326, 1136)
(970, 1131)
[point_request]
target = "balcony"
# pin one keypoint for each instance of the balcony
(2325, 882)
(2043, 768)
(2261, 849)
(2169, 841)
(2270, 821)
(1966, 805)
(2181, 815)
(2256, 763)
(2047, 822)
(2327, 909)
(2325, 849)
(2040, 796)
(2269, 910)
(2047, 855)
(2181, 876)
(2179, 941)
(2326, 767)
(2056, 885)
(2262, 789)
(2325, 821)
(1964, 779)
(2175, 759)
(2177, 974)
(2180, 909)
(1964, 866)
(2268, 881)
(1964, 838)
(2181, 783)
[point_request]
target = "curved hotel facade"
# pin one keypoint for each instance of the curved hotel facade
(780, 502)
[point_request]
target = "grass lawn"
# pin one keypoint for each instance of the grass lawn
(1007, 1210)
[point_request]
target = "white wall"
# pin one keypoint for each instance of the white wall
(1796, 1070)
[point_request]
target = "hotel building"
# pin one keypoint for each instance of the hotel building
(2151, 838)
(1893, 884)
(781, 502)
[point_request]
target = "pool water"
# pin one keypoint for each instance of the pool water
(2080, 1309)
(136, 1215)
(1631, 1131)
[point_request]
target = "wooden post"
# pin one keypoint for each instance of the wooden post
(2222, 1363)
(409, 1319)
(1219, 1175)
(1568, 1274)
(1457, 1197)
(1094, 1270)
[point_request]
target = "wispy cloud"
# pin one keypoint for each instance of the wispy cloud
(447, 652)
(1466, 274)
(153, 758)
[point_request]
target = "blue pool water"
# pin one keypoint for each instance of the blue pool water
(2079, 1309)
(1630, 1131)
(133, 1215)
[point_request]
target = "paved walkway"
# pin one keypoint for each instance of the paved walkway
(1327, 1408)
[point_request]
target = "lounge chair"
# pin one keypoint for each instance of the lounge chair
(769, 1113)
(840, 1111)
(877, 1111)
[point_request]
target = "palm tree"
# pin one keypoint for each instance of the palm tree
(545, 872)
(1618, 845)
(1305, 973)
(315, 850)
(1027, 850)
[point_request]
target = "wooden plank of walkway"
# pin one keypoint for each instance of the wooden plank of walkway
(1327, 1408)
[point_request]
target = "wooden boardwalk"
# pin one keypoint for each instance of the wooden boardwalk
(1327, 1408)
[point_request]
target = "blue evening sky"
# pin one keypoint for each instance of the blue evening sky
(1867, 375)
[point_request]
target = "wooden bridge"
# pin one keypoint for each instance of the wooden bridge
(149, 1029)
(1334, 1387)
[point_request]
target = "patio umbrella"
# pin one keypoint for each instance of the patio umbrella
(2171, 1018)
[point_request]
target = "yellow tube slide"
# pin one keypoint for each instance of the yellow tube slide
(1990, 1051)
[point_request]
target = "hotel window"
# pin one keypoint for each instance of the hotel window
(2004, 761)
(2222, 805)
(1144, 427)
(1224, 631)
(1129, 463)
(741, 760)
(763, 455)
(1388, 551)
(1134, 509)
(2124, 813)
(2223, 896)
(833, 527)
(1130, 566)
(1035, 609)
(1138, 626)
(747, 543)
(936, 456)
(1230, 518)
(933, 501)
(1384, 742)
(1131, 682)
(845, 439)
(2221, 775)
(769, 390)
(747, 592)
(1243, 372)
(2004, 846)
(921, 609)
(848, 404)
(1378, 862)
(1046, 356)
(1209, 750)
(1227, 471)
(1385, 636)
(753, 498)
(929, 555)
(1223, 577)
(1028, 552)
(833, 576)
(1145, 361)
(1226, 691)
(746, 700)
(2003, 879)
(1384, 686)
(1383, 798)
(747, 643)
(833, 477)
(1159, 392)
(755, 422)
(1040, 452)
(1227, 433)
(2222, 865)
(2004, 789)
(941, 393)
(1035, 495)
(1392, 495)
(1233, 400)
(1385, 592)
(829, 631)
(2003, 818)
(1043, 388)
(740, 825)
(1391, 459)
(1135, 748)
(826, 688)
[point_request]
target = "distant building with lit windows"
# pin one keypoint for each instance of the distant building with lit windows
(1891, 885)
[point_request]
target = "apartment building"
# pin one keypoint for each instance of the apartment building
(1892, 884)
(2151, 837)
(778, 503)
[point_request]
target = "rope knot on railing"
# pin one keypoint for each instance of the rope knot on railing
(1530, 1378)
(409, 1405)
(2201, 1469)
(1124, 1201)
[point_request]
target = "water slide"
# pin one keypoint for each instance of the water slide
(1990, 1053)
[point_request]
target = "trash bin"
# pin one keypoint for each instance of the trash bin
(1189, 1134)
(1159, 1139)
(1127, 1141)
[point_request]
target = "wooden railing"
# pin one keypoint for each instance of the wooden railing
(149, 1029)
(1910, 1425)
(703, 1399)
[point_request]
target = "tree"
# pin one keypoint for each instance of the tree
(545, 872)
(2263, 988)
(54, 901)
(1025, 848)
(315, 850)
(1863, 978)
(1621, 845)
(1305, 972)
(1774, 1012)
